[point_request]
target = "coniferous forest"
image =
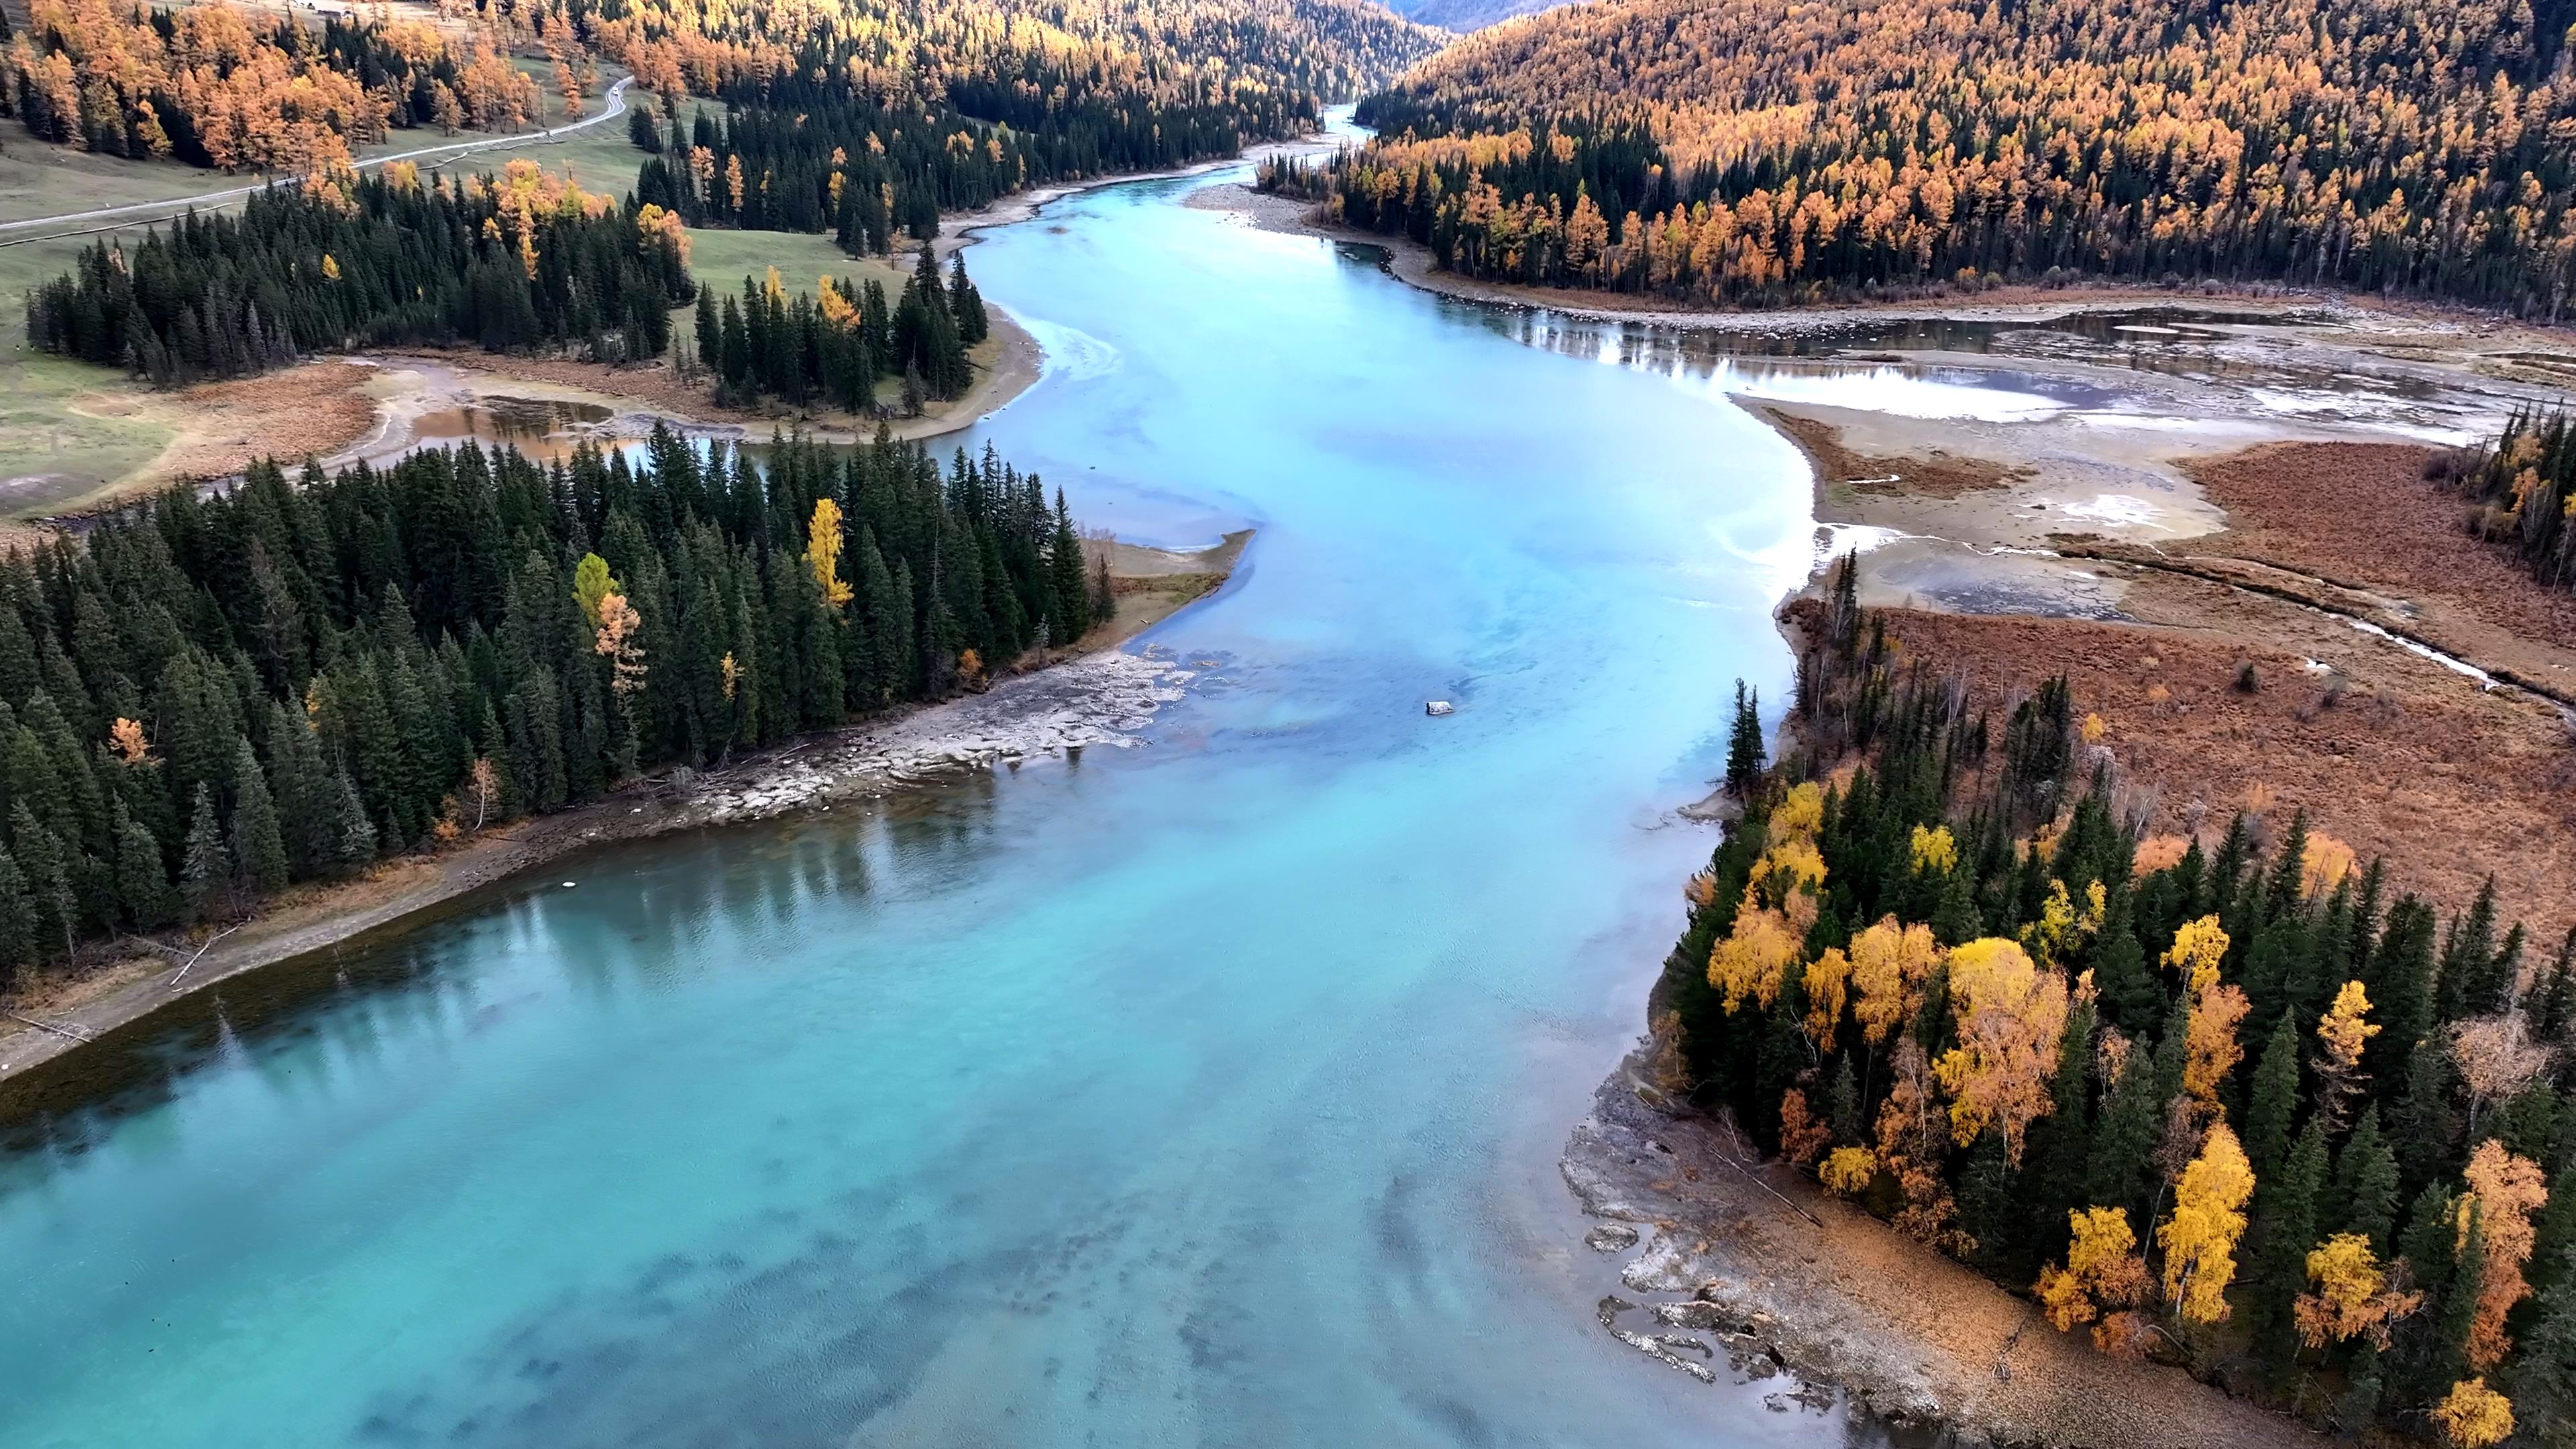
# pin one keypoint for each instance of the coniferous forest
(1759, 152)
(513, 263)
(2522, 489)
(2252, 1108)
(217, 696)
(833, 348)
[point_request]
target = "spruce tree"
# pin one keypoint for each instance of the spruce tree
(2543, 1385)
(2124, 1138)
(2365, 1184)
(142, 883)
(2288, 1224)
(2422, 1126)
(41, 858)
(205, 867)
(2271, 1102)
(17, 921)
(1744, 745)
(258, 846)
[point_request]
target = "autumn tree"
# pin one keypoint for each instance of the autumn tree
(2504, 1191)
(2010, 1014)
(2199, 1239)
(2351, 1295)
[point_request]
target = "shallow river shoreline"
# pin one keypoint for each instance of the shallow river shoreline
(1099, 699)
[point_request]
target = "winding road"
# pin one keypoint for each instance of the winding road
(615, 96)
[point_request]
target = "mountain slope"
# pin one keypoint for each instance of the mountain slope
(1773, 150)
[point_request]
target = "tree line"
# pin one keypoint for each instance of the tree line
(513, 263)
(2159, 1086)
(2522, 489)
(209, 85)
(1763, 151)
(834, 347)
(796, 154)
(211, 697)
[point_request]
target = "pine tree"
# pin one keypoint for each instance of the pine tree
(205, 867)
(2365, 1184)
(1744, 744)
(2272, 1100)
(258, 846)
(355, 846)
(2287, 1219)
(2124, 1138)
(142, 883)
(41, 857)
(2423, 1124)
(17, 921)
(2544, 1374)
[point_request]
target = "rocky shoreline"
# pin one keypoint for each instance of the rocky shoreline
(1097, 700)
(1731, 1264)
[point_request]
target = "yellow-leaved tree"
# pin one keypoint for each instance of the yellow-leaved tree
(1846, 1171)
(2473, 1416)
(2010, 1013)
(823, 552)
(2103, 1269)
(2341, 1034)
(1889, 964)
(2352, 1296)
(2199, 1239)
(2210, 1050)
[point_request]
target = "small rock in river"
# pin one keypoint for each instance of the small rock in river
(1611, 1238)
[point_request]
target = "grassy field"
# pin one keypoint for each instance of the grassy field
(70, 433)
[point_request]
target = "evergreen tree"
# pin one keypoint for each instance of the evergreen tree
(2288, 1224)
(2423, 1124)
(205, 868)
(1744, 745)
(2274, 1097)
(17, 921)
(142, 883)
(258, 846)
(2365, 1185)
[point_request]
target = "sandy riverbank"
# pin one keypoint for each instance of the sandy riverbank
(1098, 697)
(1745, 1266)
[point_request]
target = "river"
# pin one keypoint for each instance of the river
(1202, 1093)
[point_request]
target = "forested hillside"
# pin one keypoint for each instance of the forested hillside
(211, 85)
(1762, 151)
(873, 121)
(521, 261)
(214, 697)
(2252, 1107)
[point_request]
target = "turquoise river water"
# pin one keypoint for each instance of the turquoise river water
(1202, 1093)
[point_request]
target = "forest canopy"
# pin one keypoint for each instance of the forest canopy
(1764, 151)
(211, 85)
(214, 696)
(510, 263)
